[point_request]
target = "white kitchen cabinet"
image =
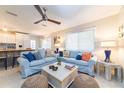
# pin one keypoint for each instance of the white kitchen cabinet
(7, 37)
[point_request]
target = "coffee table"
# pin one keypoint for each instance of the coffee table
(61, 78)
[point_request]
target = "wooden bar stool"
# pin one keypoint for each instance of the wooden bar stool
(5, 61)
(15, 56)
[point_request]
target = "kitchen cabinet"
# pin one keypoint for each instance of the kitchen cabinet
(7, 37)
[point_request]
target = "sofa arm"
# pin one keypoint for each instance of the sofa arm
(23, 62)
(91, 62)
(91, 67)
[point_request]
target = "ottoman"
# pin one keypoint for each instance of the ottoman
(37, 81)
(84, 81)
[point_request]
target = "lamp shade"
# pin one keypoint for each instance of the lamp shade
(57, 45)
(108, 44)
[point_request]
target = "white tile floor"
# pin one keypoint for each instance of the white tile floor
(11, 79)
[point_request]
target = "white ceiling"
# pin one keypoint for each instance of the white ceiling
(69, 15)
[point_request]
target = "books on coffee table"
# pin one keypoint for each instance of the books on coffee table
(69, 66)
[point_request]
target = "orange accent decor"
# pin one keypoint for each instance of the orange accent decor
(86, 56)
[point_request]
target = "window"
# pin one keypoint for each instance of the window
(46, 43)
(33, 44)
(86, 40)
(80, 41)
(72, 41)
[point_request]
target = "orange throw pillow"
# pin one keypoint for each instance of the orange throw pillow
(86, 56)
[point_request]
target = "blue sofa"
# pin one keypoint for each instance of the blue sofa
(28, 68)
(83, 66)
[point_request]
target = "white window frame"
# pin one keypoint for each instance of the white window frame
(33, 44)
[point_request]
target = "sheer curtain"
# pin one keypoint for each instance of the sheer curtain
(71, 41)
(46, 43)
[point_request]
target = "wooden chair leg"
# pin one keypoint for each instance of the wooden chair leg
(5, 63)
(13, 63)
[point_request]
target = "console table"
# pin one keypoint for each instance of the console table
(108, 69)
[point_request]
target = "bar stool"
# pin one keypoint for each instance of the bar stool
(15, 56)
(5, 61)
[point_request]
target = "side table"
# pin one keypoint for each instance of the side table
(108, 70)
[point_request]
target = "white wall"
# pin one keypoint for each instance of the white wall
(121, 49)
(24, 40)
(106, 29)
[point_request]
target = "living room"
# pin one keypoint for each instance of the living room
(92, 29)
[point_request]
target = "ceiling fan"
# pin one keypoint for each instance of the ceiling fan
(11, 13)
(42, 12)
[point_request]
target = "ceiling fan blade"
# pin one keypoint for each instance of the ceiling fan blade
(39, 10)
(38, 21)
(54, 21)
(10, 13)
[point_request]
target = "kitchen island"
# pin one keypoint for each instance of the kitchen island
(5, 54)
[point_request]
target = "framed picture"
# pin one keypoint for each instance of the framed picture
(56, 39)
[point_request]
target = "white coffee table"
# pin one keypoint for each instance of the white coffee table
(61, 78)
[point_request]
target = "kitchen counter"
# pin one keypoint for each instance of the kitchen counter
(5, 54)
(15, 50)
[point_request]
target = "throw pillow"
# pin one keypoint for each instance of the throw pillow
(86, 56)
(78, 57)
(48, 53)
(66, 53)
(37, 56)
(29, 56)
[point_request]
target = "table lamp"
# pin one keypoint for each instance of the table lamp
(57, 47)
(108, 44)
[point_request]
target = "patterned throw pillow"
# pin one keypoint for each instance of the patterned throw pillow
(86, 56)
(37, 55)
(49, 53)
(66, 53)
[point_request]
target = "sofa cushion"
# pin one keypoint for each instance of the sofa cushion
(30, 56)
(37, 62)
(37, 55)
(42, 52)
(49, 59)
(73, 54)
(74, 61)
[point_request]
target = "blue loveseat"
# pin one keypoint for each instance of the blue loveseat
(83, 66)
(28, 68)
